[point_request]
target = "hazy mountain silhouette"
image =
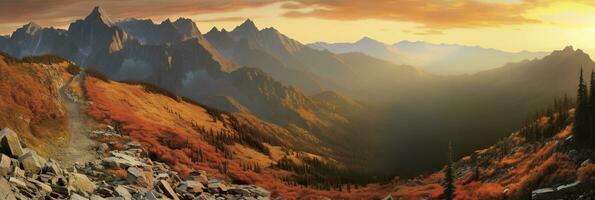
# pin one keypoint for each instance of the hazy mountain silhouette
(474, 111)
(441, 59)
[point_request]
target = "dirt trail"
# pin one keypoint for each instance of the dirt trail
(80, 146)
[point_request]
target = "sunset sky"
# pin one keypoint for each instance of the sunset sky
(512, 25)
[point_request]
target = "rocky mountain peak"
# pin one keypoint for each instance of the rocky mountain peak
(28, 29)
(99, 15)
(213, 30)
(248, 27)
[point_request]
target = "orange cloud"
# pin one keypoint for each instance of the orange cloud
(432, 14)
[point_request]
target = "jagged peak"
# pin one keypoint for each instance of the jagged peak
(247, 26)
(99, 14)
(213, 30)
(223, 30)
(166, 21)
(183, 19)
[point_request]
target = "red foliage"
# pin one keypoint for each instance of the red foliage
(175, 145)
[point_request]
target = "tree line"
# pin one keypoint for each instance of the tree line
(583, 129)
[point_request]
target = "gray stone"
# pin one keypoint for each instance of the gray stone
(217, 187)
(123, 192)
(140, 177)
(10, 144)
(167, 190)
(149, 196)
(80, 182)
(193, 186)
(53, 167)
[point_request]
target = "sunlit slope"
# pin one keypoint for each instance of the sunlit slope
(30, 101)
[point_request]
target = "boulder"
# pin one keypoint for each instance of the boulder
(53, 167)
(193, 186)
(199, 176)
(120, 160)
(4, 165)
(141, 177)
(123, 192)
(10, 144)
(167, 190)
(217, 187)
(80, 182)
(31, 162)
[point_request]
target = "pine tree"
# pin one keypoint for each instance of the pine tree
(581, 118)
(592, 108)
(449, 187)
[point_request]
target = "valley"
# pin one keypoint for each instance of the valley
(159, 110)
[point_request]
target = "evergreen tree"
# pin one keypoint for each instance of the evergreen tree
(592, 109)
(449, 187)
(581, 118)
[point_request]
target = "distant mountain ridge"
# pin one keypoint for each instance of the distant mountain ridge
(441, 59)
(310, 69)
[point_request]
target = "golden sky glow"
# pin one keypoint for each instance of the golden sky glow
(512, 25)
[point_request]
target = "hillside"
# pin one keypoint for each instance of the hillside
(475, 110)
(31, 103)
(235, 146)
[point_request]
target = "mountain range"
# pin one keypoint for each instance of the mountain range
(389, 102)
(440, 59)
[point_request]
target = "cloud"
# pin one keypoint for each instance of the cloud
(57, 12)
(431, 14)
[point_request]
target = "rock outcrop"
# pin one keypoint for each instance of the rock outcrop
(30, 176)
